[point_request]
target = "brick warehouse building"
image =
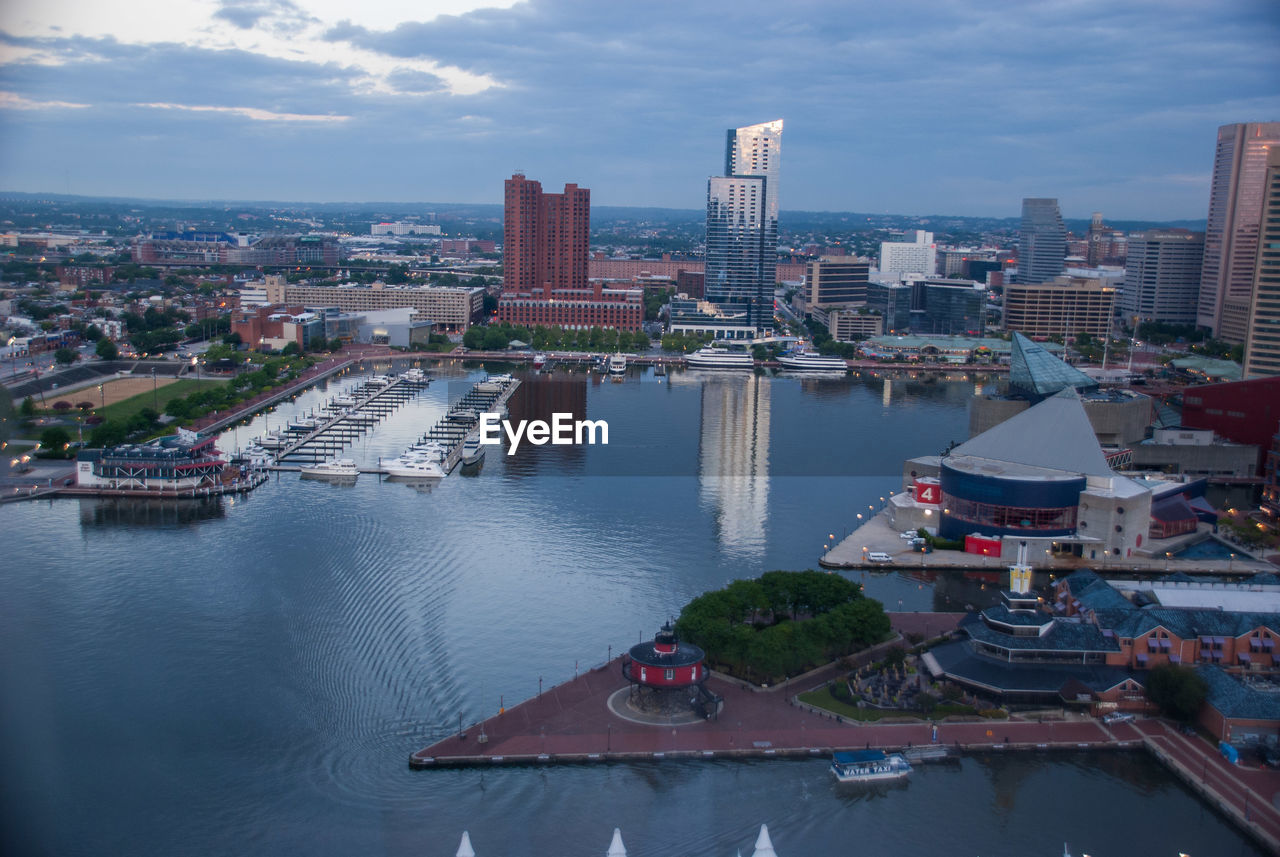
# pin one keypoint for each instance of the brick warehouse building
(545, 248)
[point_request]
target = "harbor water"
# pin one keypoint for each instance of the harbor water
(249, 674)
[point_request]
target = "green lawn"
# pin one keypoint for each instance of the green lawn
(126, 409)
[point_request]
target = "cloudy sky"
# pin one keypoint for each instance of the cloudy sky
(908, 107)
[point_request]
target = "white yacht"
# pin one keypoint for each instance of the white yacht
(420, 468)
(717, 356)
(344, 401)
(472, 450)
(379, 380)
(805, 360)
(334, 468)
(427, 449)
(415, 375)
(303, 424)
(273, 440)
(618, 364)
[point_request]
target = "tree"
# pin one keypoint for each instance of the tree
(106, 349)
(93, 333)
(1177, 691)
(291, 350)
(28, 408)
(233, 339)
(54, 439)
(66, 356)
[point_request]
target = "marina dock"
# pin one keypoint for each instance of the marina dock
(463, 417)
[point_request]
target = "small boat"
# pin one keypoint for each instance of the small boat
(303, 424)
(343, 402)
(490, 386)
(804, 360)
(417, 468)
(866, 766)
(428, 449)
(472, 450)
(334, 468)
(617, 364)
(463, 415)
(504, 379)
(273, 440)
(379, 380)
(719, 357)
(539, 360)
(415, 376)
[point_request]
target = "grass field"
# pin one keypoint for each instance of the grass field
(125, 407)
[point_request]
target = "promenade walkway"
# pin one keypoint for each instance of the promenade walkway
(572, 722)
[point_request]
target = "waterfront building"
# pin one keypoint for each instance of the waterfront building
(1262, 345)
(893, 302)
(917, 256)
(1231, 234)
(1042, 241)
(1065, 307)
(950, 307)
(174, 463)
(940, 349)
(451, 308)
(742, 224)
(1194, 452)
(1093, 648)
(1241, 411)
(850, 325)
(1162, 276)
(836, 281)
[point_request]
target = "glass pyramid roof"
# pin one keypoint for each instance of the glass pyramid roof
(1036, 373)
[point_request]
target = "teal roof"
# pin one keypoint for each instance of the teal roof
(1233, 699)
(1209, 367)
(1034, 372)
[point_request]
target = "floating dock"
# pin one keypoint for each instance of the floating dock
(463, 417)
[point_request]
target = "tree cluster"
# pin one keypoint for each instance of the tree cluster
(496, 337)
(782, 624)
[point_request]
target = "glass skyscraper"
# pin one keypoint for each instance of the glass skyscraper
(742, 224)
(1042, 241)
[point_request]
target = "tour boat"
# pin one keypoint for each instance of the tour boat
(866, 766)
(719, 357)
(472, 450)
(539, 360)
(421, 468)
(617, 364)
(804, 360)
(334, 468)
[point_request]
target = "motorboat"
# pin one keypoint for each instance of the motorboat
(344, 401)
(719, 357)
(428, 449)
(867, 766)
(472, 450)
(419, 468)
(303, 424)
(617, 364)
(804, 360)
(273, 440)
(334, 468)
(415, 376)
(379, 380)
(463, 415)
(503, 379)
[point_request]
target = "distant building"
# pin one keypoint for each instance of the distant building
(893, 303)
(850, 325)
(1042, 241)
(1194, 452)
(400, 228)
(1162, 276)
(171, 463)
(950, 307)
(452, 308)
(836, 281)
(918, 256)
(1262, 346)
(1241, 411)
(742, 225)
(225, 248)
(599, 268)
(1066, 307)
(1231, 235)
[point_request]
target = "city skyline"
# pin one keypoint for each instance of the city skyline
(299, 101)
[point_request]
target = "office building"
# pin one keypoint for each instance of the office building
(1065, 307)
(893, 302)
(452, 308)
(1042, 241)
(950, 307)
(918, 256)
(1231, 235)
(546, 239)
(1262, 345)
(742, 225)
(1162, 276)
(834, 281)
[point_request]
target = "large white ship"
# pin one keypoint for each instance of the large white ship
(804, 360)
(719, 357)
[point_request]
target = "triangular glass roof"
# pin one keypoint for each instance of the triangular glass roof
(1036, 373)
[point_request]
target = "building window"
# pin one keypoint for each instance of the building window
(670, 675)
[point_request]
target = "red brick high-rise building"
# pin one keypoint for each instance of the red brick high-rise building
(544, 258)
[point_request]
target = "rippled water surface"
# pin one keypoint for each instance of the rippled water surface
(249, 676)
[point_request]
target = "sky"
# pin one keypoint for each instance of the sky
(959, 107)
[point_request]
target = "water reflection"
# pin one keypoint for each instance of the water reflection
(131, 512)
(733, 459)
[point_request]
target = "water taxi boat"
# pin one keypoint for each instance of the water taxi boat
(867, 766)
(617, 364)
(803, 360)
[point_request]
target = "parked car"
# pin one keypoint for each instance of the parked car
(1117, 717)
(909, 534)
(879, 556)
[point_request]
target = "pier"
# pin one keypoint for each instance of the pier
(463, 417)
(573, 723)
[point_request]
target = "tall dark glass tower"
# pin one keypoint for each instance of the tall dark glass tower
(742, 225)
(1042, 241)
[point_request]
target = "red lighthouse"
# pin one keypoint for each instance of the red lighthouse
(665, 663)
